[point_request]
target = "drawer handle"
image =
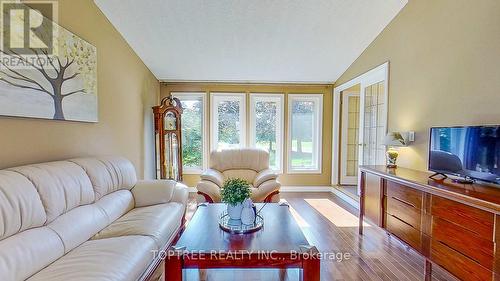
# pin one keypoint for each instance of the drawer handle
(404, 202)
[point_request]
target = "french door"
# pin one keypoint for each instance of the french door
(373, 123)
(350, 137)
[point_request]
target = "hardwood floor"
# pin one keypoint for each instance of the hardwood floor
(331, 225)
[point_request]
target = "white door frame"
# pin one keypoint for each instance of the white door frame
(379, 73)
(344, 179)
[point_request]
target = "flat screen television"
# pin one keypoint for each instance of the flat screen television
(470, 152)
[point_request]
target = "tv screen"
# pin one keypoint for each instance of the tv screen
(469, 152)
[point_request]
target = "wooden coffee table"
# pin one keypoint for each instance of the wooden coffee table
(279, 244)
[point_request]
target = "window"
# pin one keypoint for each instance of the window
(305, 113)
(193, 131)
(228, 120)
(266, 126)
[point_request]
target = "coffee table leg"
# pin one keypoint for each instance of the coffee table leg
(173, 268)
(282, 274)
(202, 274)
(311, 270)
(311, 264)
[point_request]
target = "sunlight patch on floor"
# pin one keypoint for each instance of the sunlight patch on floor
(334, 213)
(300, 220)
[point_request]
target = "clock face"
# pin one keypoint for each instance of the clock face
(170, 121)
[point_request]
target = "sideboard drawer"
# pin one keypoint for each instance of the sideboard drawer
(404, 232)
(404, 212)
(464, 241)
(473, 219)
(458, 264)
(405, 194)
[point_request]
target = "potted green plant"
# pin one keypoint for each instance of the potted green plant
(234, 192)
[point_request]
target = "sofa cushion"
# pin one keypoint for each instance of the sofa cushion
(20, 205)
(61, 185)
(25, 253)
(244, 158)
(157, 221)
(152, 192)
(121, 258)
(78, 225)
(108, 174)
(116, 204)
(248, 175)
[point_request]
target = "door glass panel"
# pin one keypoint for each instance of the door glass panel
(374, 125)
(352, 136)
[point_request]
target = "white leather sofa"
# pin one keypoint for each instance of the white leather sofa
(85, 219)
(250, 164)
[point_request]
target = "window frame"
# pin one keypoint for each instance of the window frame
(280, 99)
(197, 95)
(215, 97)
(317, 98)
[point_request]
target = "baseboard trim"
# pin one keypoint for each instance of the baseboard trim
(302, 188)
(335, 191)
(345, 198)
(290, 188)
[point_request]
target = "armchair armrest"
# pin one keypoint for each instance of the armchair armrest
(214, 176)
(152, 192)
(264, 176)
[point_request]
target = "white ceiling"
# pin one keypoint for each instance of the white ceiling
(250, 40)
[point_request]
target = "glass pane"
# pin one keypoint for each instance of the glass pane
(228, 127)
(303, 126)
(352, 136)
(374, 128)
(175, 159)
(170, 121)
(266, 130)
(192, 132)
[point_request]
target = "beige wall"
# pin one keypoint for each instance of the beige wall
(444, 68)
(126, 89)
(322, 179)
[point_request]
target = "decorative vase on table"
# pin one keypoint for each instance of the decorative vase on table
(233, 193)
(248, 212)
(392, 157)
(234, 211)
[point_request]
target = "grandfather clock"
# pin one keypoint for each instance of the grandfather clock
(168, 139)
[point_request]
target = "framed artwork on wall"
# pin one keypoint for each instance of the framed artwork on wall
(50, 74)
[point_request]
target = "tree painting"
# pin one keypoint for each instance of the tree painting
(63, 84)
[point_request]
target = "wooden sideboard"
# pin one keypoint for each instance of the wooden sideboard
(455, 226)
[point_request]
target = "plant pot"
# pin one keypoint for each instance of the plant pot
(234, 211)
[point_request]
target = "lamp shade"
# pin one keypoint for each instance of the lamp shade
(397, 139)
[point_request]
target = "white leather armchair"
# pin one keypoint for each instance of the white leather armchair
(249, 164)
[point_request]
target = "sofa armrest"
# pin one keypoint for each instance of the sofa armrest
(264, 176)
(180, 194)
(214, 176)
(152, 192)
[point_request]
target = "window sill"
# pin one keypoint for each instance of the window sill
(311, 172)
(192, 171)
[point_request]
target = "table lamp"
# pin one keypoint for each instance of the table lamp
(394, 140)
